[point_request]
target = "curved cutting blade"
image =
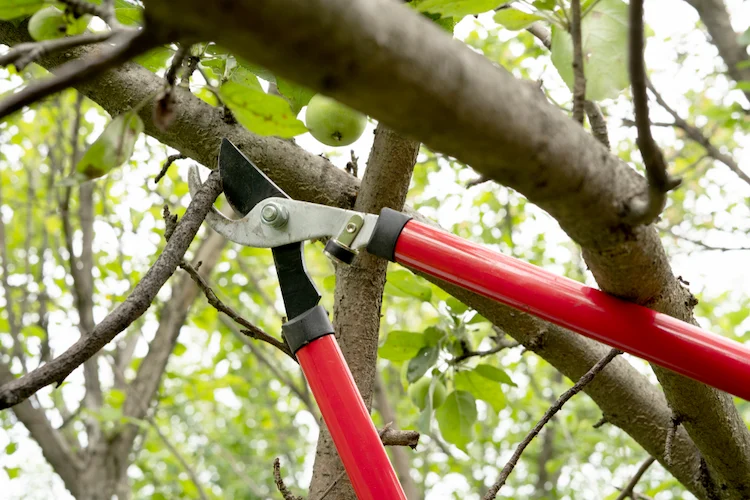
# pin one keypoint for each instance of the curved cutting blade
(244, 184)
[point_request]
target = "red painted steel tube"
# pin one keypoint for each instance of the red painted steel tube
(656, 337)
(348, 421)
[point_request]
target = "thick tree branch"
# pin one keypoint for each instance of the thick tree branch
(23, 54)
(134, 306)
(359, 291)
(557, 406)
(642, 211)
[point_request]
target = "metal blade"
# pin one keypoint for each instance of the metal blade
(244, 184)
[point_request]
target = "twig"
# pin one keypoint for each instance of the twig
(81, 7)
(479, 180)
(128, 311)
(706, 246)
(250, 329)
(501, 344)
(190, 472)
(127, 44)
(577, 387)
(628, 490)
(352, 166)
(170, 159)
(600, 423)
(579, 85)
(542, 33)
(24, 54)
(288, 495)
(640, 211)
(598, 122)
(698, 136)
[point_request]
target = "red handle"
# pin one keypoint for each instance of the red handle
(348, 421)
(653, 336)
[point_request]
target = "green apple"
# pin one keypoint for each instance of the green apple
(333, 123)
(48, 23)
(419, 391)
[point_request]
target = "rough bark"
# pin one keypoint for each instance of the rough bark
(359, 294)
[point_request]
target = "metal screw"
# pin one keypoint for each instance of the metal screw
(274, 215)
(351, 227)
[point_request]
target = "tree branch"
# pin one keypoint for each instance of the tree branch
(134, 306)
(698, 136)
(642, 211)
(579, 86)
(126, 44)
(501, 344)
(557, 406)
(26, 53)
(628, 490)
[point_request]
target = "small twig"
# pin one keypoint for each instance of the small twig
(288, 495)
(189, 470)
(579, 85)
(577, 387)
(501, 344)
(698, 136)
(542, 33)
(628, 490)
(127, 44)
(600, 423)
(352, 167)
(669, 440)
(598, 123)
(170, 159)
(640, 211)
(24, 54)
(703, 245)
(250, 329)
(192, 66)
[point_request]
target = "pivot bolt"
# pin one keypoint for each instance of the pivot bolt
(274, 215)
(351, 227)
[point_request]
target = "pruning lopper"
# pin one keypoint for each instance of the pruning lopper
(270, 219)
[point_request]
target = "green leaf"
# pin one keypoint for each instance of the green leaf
(604, 34)
(743, 64)
(401, 346)
(259, 112)
(245, 77)
(456, 306)
(744, 38)
(12, 9)
(544, 4)
(297, 95)
(154, 59)
(257, 70)
(515, 20)
(744, 86)
(477, 318)
(179, 349)
(433, 335)
(115, 398)
(111, 149)
(459, 8)
(493, 373)
(11, 448)
(12, 472)
(480, 387)
(456, 418)
(408, 285)
(129, 16)
(423, 361)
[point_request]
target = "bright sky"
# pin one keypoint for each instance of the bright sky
(673, 22)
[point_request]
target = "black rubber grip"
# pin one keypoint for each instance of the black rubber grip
(306, 327)
(387, 230)
(339, 252)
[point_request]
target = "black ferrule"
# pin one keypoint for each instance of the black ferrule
(385, 235)
(308, 326)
